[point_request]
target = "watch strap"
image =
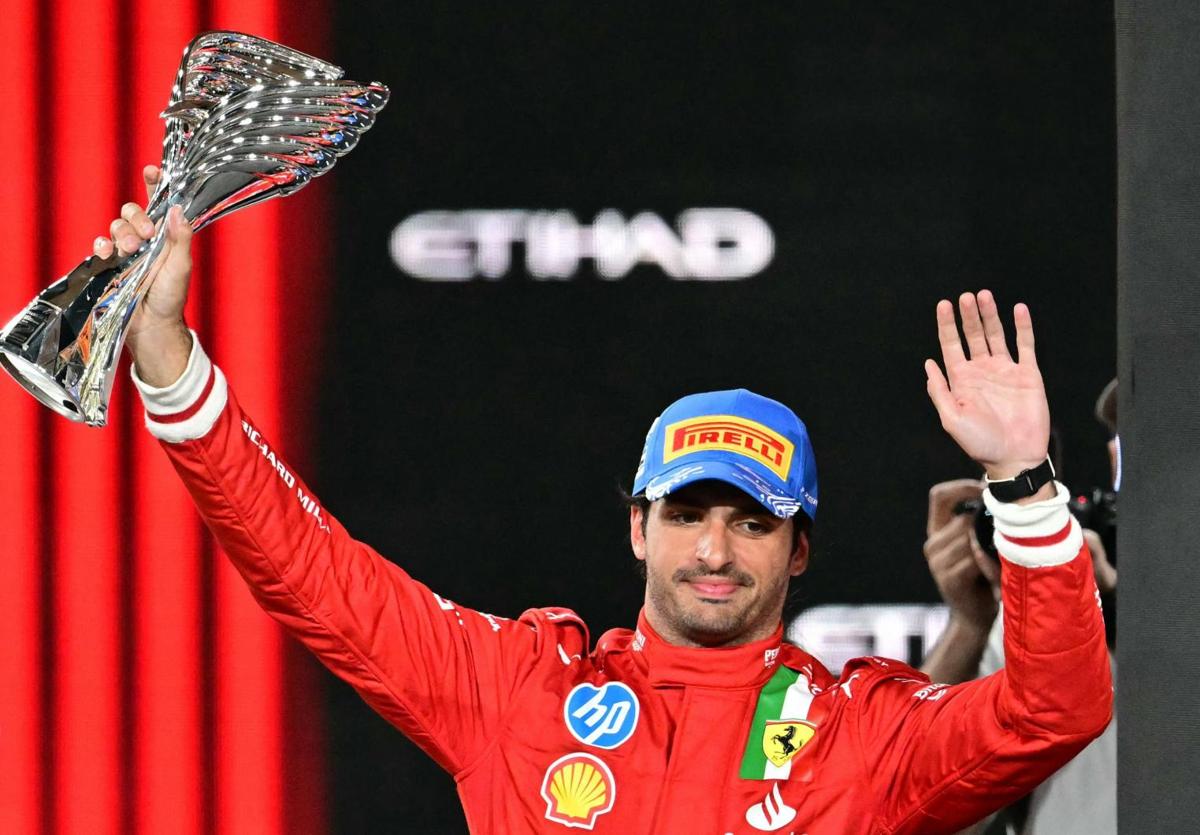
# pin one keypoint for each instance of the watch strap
(1025, 484)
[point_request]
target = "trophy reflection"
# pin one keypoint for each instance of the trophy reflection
(248, 120)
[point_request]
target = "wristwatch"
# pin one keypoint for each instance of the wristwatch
(1025, 484)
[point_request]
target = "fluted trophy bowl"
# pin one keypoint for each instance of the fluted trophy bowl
(248, 120)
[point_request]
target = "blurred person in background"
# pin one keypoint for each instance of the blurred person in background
(702, 716)
(1080, 798)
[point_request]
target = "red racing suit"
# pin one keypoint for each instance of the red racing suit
(542, 732)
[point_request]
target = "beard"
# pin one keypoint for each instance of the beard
(719, 622)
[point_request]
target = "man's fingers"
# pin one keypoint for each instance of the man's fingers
(150, 176)
(963, 571)
(936, 545)
(179, 239)
(939, 393)
(992, 327)
(972, 326)
(1024, 322)
(945, 496)
(956, 490)
(178, 229)
(138, 219)
(102, 246)
(988, 566)
(952, 352)
(124, 236)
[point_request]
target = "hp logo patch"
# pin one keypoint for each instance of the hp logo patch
(602, 716)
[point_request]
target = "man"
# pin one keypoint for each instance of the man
(701, 719)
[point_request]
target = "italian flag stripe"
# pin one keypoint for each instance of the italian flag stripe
(796, 702)
(769, 708)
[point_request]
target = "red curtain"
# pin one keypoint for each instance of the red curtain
(143, 691)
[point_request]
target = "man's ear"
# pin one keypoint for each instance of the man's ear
(637, 538)
(799, 561)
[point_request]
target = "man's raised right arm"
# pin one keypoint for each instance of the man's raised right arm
(442, 673)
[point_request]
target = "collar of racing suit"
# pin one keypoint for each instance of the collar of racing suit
(747, 665)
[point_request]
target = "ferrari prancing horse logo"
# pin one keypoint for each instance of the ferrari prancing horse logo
(783, 739)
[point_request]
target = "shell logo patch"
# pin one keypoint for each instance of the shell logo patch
(602, 716)
(730, 434)
(578, 788)
(783, 740)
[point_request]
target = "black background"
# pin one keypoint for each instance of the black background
(476, 433)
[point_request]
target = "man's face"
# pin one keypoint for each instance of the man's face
(717, 565)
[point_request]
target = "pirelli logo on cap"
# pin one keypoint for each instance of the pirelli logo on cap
(731, 434)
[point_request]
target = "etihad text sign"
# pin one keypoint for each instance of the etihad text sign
(704, 244)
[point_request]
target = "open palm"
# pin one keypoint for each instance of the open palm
(994, 407)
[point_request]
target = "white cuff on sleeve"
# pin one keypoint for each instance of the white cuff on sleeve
(187, 408)
(1036, 535)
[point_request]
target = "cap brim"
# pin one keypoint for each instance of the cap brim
(763, 491)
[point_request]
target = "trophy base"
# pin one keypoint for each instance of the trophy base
(29, 352)
(45, 388)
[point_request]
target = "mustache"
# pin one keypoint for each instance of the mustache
(726, 572)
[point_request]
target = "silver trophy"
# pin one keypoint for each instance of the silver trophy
(248, 120)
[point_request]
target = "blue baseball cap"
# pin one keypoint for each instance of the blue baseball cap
(752, 442)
